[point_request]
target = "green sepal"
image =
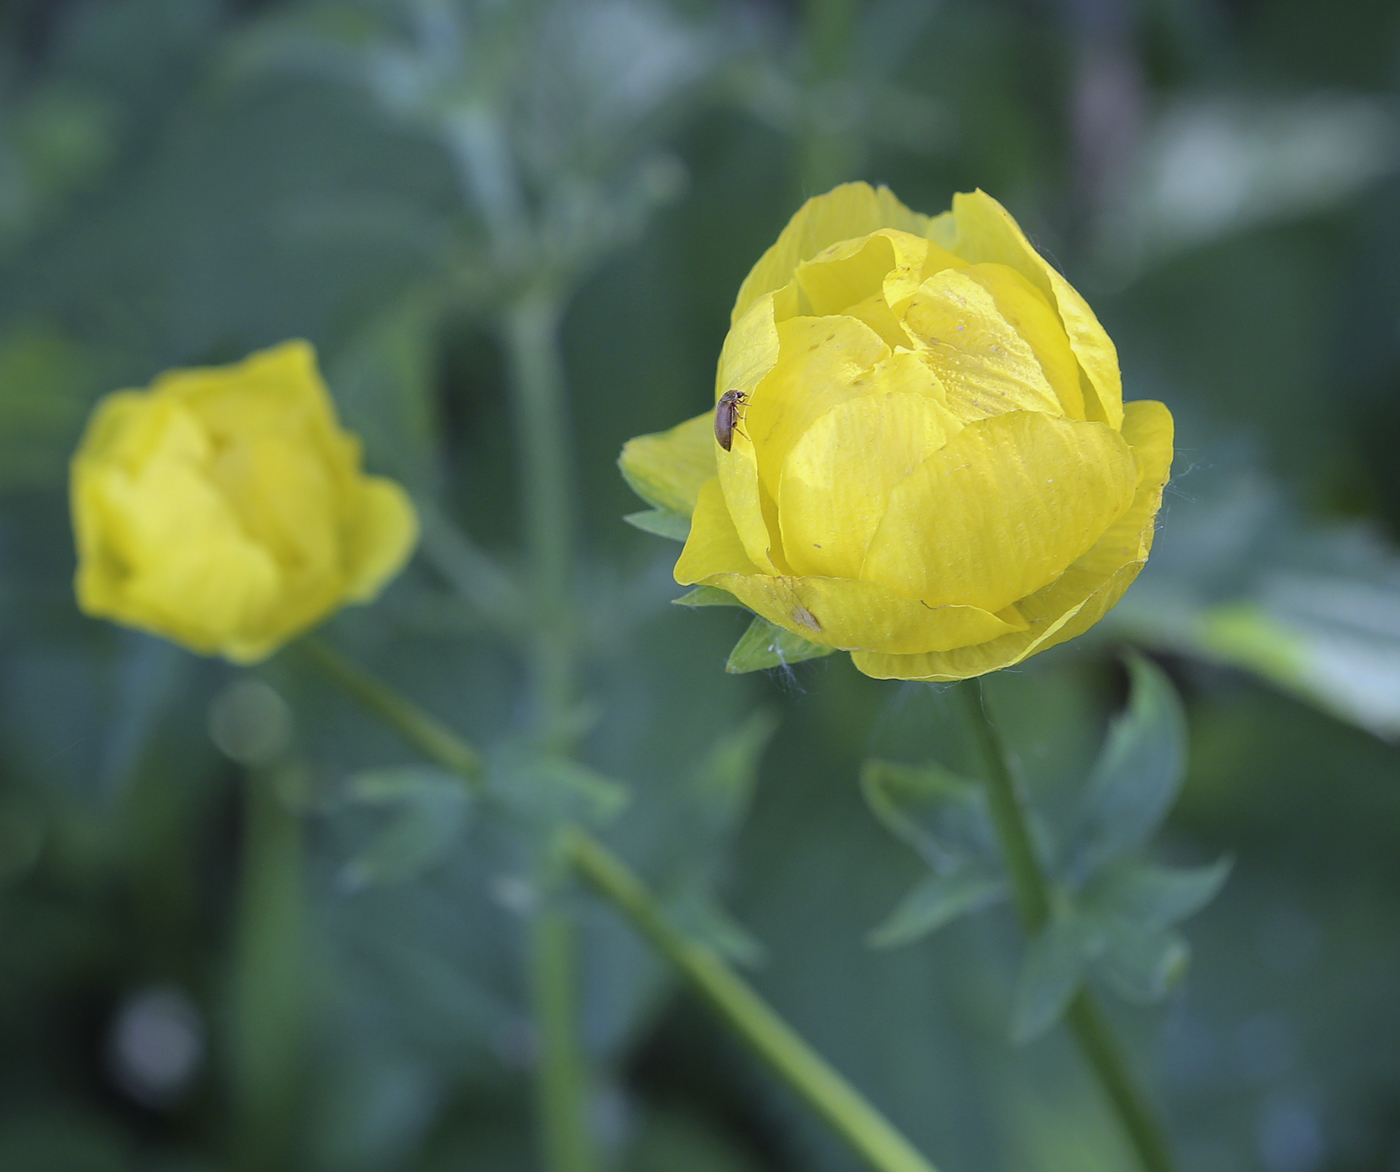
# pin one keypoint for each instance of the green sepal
(765, 645)
(937, 900)
(707, 596)
(667, 468)
(661, 522)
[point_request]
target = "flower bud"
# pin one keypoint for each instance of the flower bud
(225, 507)
(932, 466)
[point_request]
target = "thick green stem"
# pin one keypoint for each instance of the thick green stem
(1031, 892)
(531, 329)
(806, 1071)
(849, 1113)
(563, 1077)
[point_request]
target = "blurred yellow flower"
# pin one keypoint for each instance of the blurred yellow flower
(931, 465)
(225, 507)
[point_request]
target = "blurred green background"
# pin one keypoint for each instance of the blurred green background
(206, 963)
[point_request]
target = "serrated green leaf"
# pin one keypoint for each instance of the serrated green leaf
(765, 645)
(543, 788)
(707, 596)
(1148, 895)
(1050, 976)
(667, 468)
(1137, 776)
(934, 901)
(1144, 966)
(661, 522)
(428, 809)
(726, 777)
(941, 814)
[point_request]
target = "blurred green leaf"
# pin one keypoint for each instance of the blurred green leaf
(1050, 975)
(45, 385)
(661, 522)
(1152, 896)
(726, 777)
(427, 810)
(1137, 776)
(546, 788)
(937, 900)
(765, 645)
(1143, 966)
(702, 917)
(941, 814)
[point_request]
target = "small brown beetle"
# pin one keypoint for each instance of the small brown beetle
(727, 417)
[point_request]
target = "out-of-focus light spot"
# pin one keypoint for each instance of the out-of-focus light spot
(1290, 1137)
(250, 723)
(156, 1046)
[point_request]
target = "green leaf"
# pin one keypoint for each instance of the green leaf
(726, 777)
(667, 468)
(766, 645)
(1144, 966)
(604, 797)
(701, 917)
(707, 596)
(1148, 895)
(1137, 776)
(544, 789)
(1050, 976)
(934, 901)
(941, 814)
(426, 809)
(662, 522)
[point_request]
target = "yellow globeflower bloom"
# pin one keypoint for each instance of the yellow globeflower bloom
(930, 465)
(225, 507)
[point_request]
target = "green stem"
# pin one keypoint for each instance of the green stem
(531, 329)
(848, 1112)
(1031, 893)
(806, 1071)
(563, 1077)
(434, 738)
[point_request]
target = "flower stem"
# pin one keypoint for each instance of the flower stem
(810, 1075)
(806, 1071)
(531, 330)
(434, 738)
(1031, 893)
(563, 1077)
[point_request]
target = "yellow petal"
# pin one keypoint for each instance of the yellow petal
(994, 343)
(713, 546)
(823, 362)
(1002, 510)
(980, 230)
(846, 212)
(863, 278)
(1084, 593)
(667, 468)
(380, 540)
(839, 474)
(833, 612)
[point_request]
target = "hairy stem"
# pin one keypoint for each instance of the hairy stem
(1031, 893)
